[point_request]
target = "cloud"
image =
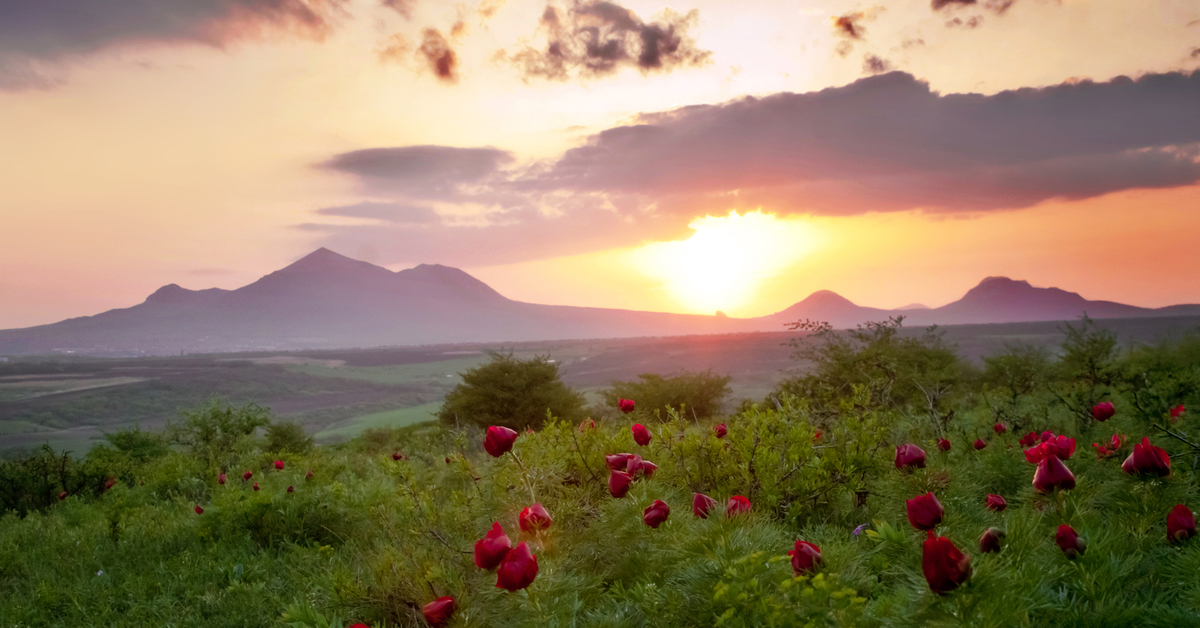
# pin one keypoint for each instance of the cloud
(403, 7)
(37, 35)
(999, 7)
(883, 143)
(875, 65)
(851, 27)
(598, 38)
(438, 54)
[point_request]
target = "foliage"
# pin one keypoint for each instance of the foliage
(698, 394)
(218, 433)
(287, 436)
(512, 392)
(1012, 380)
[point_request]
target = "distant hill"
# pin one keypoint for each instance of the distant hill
(327, 300)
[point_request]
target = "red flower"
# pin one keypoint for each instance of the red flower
(1047, 435)
(647, 468)
(518, 569)
(1059, 446)
(626, 405)
(656, 513)
(397, 456)
(113, 482)
(737, 505)
(492, 548)
(924, 511)
(1068, 540)
(617, 462)
(1051, 474)
(641, 435)
(817, 435)
(619, 483)
(945, 566)
(360, 625)
(587, 424)
(1147, 459)
(805, 557)
(996, 503)
(1028, 439)
(256, 486)
(499, 440)
(1177, 412)
(1181, 524)
(910, 456)
(702, 505)
(943, 444)
(1115, 443)
(1103, 411)
(221, 479)
(279, 465)
(308, 476)
(534, 518)
(1000, 428)
(62, 496)
(199, 510)
(990, 541)
(247, 475)
(979, 444)
(720, 430)
(437, 613)
(291, 489)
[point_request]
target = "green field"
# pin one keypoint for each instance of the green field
(390, 419)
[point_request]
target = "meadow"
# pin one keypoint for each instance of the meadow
(160, 528)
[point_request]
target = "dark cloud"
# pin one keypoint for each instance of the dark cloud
(438, 54)
(851, 27)
(387, 212)
(403, 7)
(598, 38)
(873, 65)
(996, 7)
(1196, 52)
(439, 172)
(884, 143)
(35, 35)
(971, 22)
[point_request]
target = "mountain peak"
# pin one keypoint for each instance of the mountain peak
(455, 279)
(320, 260)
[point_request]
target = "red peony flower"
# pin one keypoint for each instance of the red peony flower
(1028, 439)
(1181, 524)
(62, 496)
(737, 505)
(805, 557)
(1000, 428)
(437, 613)
(1051, 474)
(1103, 411)
(943, 444)
(979, 444)
(256, 486)
(720, 430)
(641, 435)
(990, 541)
(534, 518)
(996, 503)
(587, 424)
(1147, 459)
(279, 465)
(499, 440)
(619, 483)
(308, 475)
(1177, 412)
(198, 509)
(247, 475)
(1114, 444)
(945, 566)
(817, 435)
(291, 489)
(626, 405)
(702, 505)
(221, 479)
(617, 462)
(908, 456)
(1060, 447)
(924, 511)
(1047, 435)
(518, 569)
(647, 468)
(1068, 540)
(656, 513)
(492, 548)
(113, 482)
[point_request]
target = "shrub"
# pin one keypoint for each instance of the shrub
(287, 436)
(699, 394)
(511, 392)
(218, 433)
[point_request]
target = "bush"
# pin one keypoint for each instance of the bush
(511, 392)
(701, 395)
(287, 436)
(218, 433)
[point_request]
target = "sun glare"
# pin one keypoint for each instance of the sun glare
(725, 263)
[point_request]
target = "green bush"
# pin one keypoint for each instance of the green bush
(287, 436)
(698, 394)
(511, 392)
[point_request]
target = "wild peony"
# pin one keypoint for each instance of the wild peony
(438, 612)
(924, 511)
(534, 518)
(1147, 460)
(518, 569)
(806, 557)
(499, 440)
(492, 548)
(909, 456)
(945, 566)
(656, 513)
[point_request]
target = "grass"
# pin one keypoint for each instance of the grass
(391, 418)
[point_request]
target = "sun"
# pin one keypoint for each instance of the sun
(724, 264)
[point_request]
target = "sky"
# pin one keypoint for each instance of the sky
(687, 156)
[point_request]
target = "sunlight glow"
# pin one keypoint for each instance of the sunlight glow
(726, 262)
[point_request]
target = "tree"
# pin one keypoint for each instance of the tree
(218, 433)
(511, 392)
(702, 393)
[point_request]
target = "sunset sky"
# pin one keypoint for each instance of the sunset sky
(691, 156)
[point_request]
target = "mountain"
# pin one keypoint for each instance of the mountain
(327, 300)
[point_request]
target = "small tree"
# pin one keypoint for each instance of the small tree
(702, 393)
(218, 433)
(287, 436)
(511, 392)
